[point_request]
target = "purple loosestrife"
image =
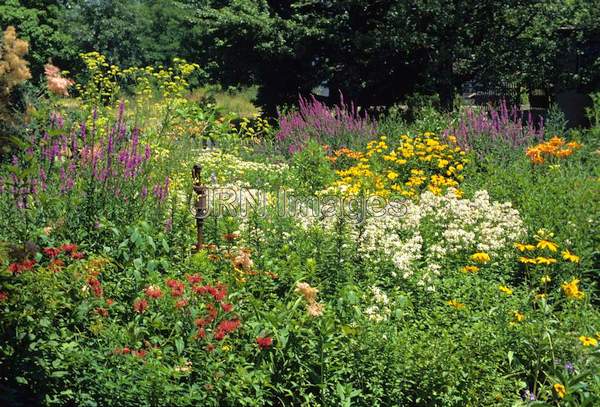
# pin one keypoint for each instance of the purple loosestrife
(480, 128)
(335, 126)
(161, 191)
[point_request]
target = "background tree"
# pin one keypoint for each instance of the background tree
(41, 23)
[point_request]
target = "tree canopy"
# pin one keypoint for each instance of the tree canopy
(374, 52)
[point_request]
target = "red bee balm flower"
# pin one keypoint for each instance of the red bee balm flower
(140, 305)
(177, 287)
(96, 286)
(25, 265)
(69, 248)
(201, 333)
(153, 291)
(51, 251)
(181, 304)
(264, 342)
(103, 312)
(14, 268)
(193, 279)
(3, 296)
(226, 327)
(226, 307)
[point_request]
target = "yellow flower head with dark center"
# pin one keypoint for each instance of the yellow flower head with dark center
(522, 247)
(455, 304)
(506, 290)
(588, 341)
(560, 390)
(567, 255)
(518, 316)
(480, 257)
(546, 244)
(527, 260)
(571, 289)
(545, 260)
(470, 269)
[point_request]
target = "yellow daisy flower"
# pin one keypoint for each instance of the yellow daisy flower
(588, 341)
(480, 257)
(560, 390)
(546, 244)
(567, 255)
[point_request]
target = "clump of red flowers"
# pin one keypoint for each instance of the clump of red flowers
(96, 286)
(3, 296)
(218, 292)
(226, 327)
(103, 312)
(177, 287)
(193, 279)
(181, 304)
(122, 351)
(153, 291)
(67, 248)
(51, 251)
(140, 305)
(24, 265)
(264, 342)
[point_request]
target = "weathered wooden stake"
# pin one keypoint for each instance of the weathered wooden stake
(201, 205)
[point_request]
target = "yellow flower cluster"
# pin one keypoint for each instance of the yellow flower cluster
(169, 82)
(254, 128)
(417, 163)
(545, 252)
(102, 84)
(479, 257)
(543, 244)
(104, 80)
(572, 290)
(554, 148)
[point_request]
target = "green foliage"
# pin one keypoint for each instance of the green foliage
(312, 169)
(430, 304)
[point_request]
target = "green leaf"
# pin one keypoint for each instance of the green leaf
(179, 345)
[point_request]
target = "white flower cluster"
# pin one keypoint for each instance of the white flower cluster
(438, 228)
(419, 237)
(477, 225)
(379, 309)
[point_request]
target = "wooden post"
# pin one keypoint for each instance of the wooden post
(201, 205)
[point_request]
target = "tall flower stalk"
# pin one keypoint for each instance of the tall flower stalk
(337, 126)
(482, 129)
(83, 174)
